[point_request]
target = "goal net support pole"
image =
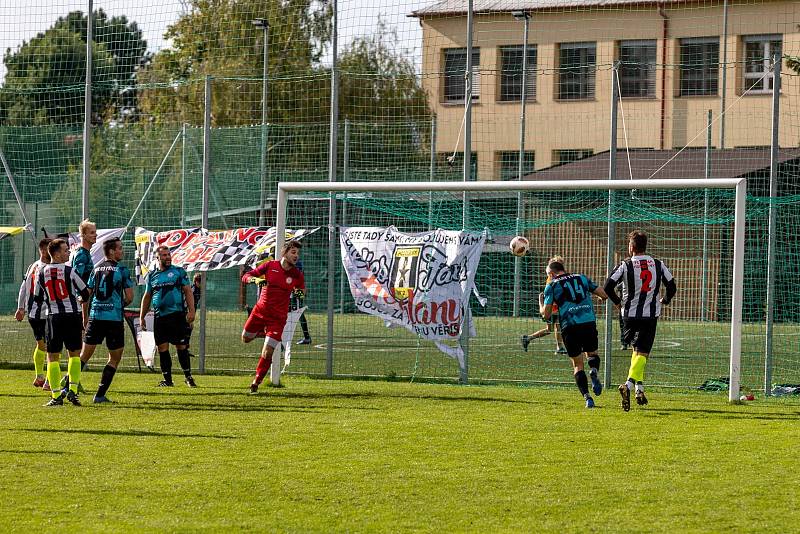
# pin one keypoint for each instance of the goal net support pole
(739, 185)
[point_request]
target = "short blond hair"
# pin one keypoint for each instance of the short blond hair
(84, 226)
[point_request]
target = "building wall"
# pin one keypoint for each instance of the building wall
(553, 125)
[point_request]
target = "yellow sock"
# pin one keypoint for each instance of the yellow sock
(54, 377)
(38, 360)
(74, 371)
(638, 362)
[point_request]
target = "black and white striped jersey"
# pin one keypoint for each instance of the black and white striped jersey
(59, 286)
(27, 292)
(644, 281)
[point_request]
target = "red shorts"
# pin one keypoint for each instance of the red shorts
(261, 326)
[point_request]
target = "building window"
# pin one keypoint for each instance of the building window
(577, 63)
(455, 65)
(509, 164)
(637, 68)
(511, 73)
(699, 66)
(569, 155)
(758, 50)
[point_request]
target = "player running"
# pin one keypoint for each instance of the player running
(111, 289)
(642, 278)
(277, 280)
(552, 323)
(58, 285)
(27, 303)
(573, 295)
(169, 291)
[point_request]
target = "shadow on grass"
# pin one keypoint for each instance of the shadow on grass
(48, 453)
(373, 395)
(726, 414)
(134, 433)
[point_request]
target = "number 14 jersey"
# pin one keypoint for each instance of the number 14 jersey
(573, 295)
(108, 281)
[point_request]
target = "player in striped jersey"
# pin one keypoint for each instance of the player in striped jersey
(573, 294)
(27, 303)
(59, 287)
(643, 280)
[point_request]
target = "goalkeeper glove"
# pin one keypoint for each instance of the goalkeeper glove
(300, 294)
(260, 282)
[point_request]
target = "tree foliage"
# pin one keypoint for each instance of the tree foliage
(45, 76)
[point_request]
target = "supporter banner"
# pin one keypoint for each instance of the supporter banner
(419, 281)
(103, 235)
(198, 249)
(6, 231)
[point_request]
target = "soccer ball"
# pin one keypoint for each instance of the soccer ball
(519, 246)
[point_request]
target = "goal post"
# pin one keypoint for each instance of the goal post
(738, 186)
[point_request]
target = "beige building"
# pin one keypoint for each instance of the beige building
(671, 74)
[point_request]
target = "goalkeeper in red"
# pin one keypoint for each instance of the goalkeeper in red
(277, 280)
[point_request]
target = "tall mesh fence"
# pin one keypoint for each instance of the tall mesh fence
(401, 97)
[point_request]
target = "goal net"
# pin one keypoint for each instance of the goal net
(696, 227)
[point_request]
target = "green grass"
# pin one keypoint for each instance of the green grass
(333, 456)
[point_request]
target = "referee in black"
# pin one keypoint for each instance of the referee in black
(647, 284)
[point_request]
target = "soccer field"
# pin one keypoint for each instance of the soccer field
(333, 456)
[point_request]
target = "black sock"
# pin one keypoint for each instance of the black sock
(166, 365)
(185, 361)
(583, 382)
(105, 380)
(83, 364)
(304, 326)
(594, 363)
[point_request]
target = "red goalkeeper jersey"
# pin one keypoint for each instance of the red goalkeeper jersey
(274, 297)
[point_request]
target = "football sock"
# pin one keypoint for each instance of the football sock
(54, 377)
(630, 384)
(594, 364)
(638, 362)
(38, 360)
(166, 365)
(185, 361)
(105, 380)
(261, 370)
(83, 364)
(583, 383)
(304, 326)
(74, 373)
(639, 387)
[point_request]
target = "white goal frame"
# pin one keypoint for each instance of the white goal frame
(739, 185)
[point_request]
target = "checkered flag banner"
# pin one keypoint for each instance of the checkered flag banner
(198, 249)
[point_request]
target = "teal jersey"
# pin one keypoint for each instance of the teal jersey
(573, 295)
(81, 261)
(166, 288)
(108, 283)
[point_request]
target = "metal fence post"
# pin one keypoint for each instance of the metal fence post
(204, 217)
(87, 115)
(346, 175)
(772, 227)
(466, 322)
(432, 171)
(612, 227)
(332, 163)
(525, 16)
(704, 272)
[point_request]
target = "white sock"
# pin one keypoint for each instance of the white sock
(629, 384)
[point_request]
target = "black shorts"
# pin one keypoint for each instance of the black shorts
(64, 330)
(580, 338)
(172, 328)
(112, 331)
(639, 333)
(39, 327)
